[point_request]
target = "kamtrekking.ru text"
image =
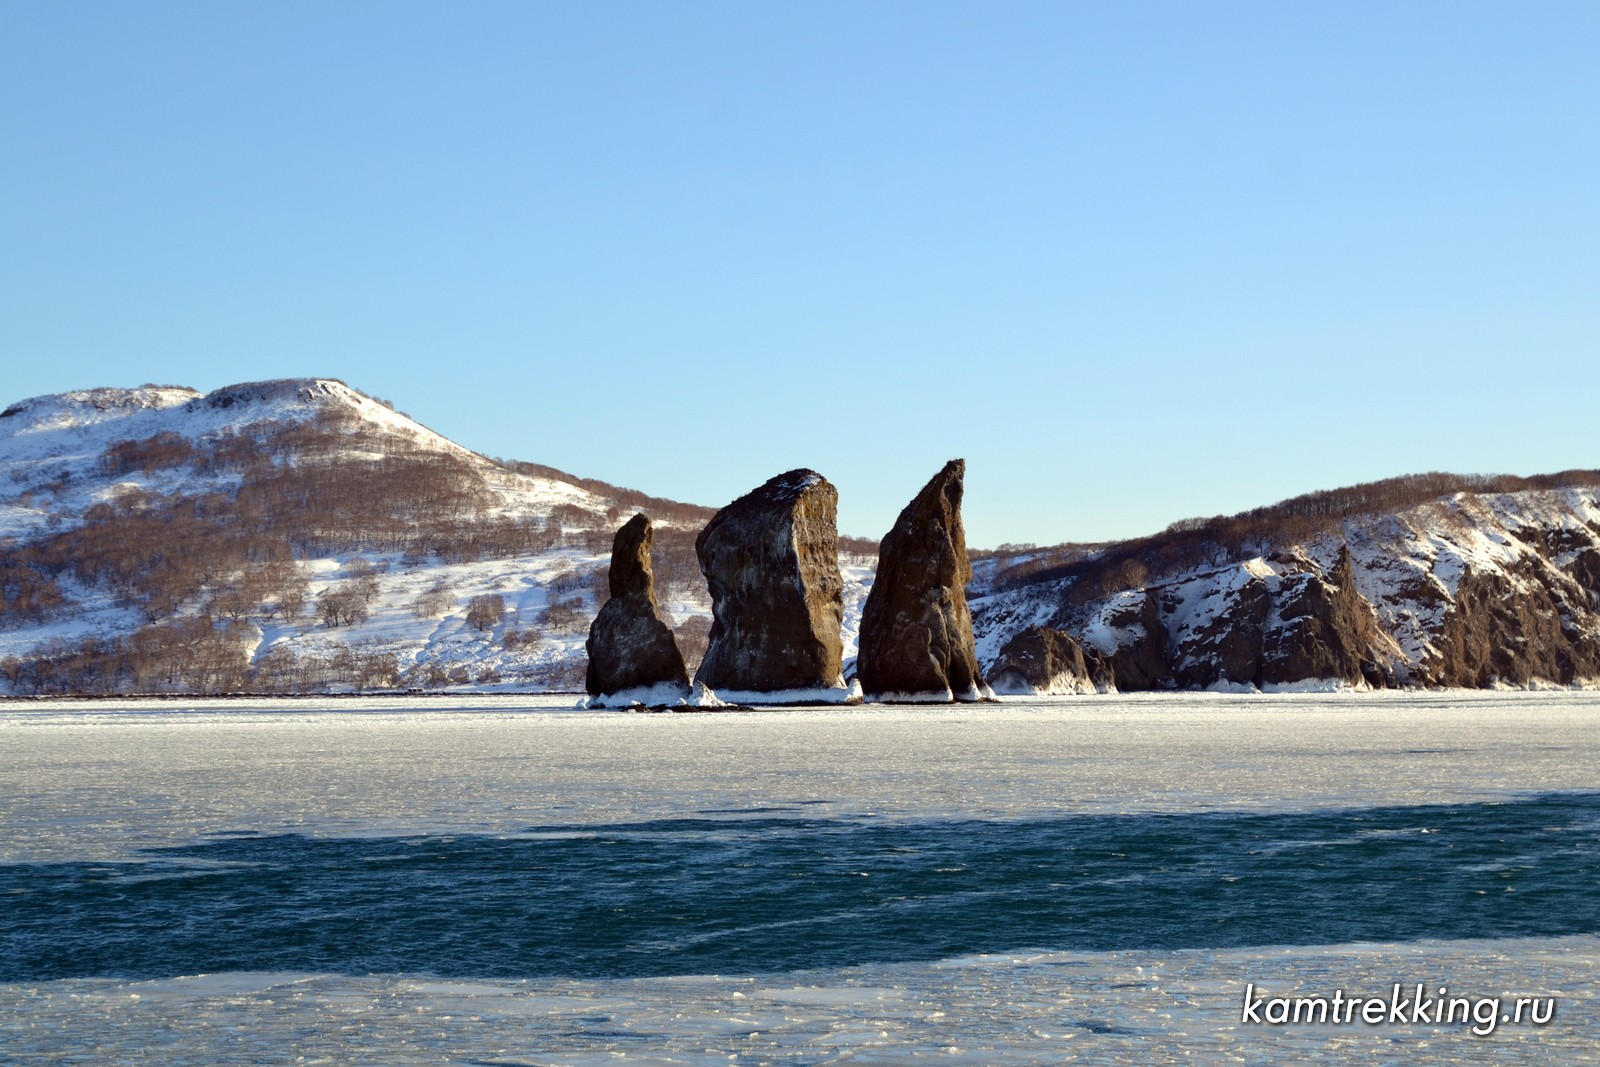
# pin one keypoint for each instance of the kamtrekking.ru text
(1406, 1005)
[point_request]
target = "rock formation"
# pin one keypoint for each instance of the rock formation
(1138, 658)
(1273, 623)
(916, 632)
(1224, 646)
(1503, 632)
(1264, 623)
(1324, 628)
(1048, 662)
(633, 657)
(771, 559)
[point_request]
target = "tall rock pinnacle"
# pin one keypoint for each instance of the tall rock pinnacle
(916, 632)
(633, 657)
(771, 559)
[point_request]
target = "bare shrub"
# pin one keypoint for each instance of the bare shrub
(485, 611)
(524, 640)
(292, 600)
(343, 605)
(435, 601)
(564, 616)
(568, 582)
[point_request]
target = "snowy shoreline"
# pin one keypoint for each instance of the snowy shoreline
(1313, 688)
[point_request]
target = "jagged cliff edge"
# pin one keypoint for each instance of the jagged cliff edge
(1471, 589)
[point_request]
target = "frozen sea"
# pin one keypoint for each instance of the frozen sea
(505, 881)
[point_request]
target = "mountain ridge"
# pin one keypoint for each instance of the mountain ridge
(301, 535)
(1497, 585)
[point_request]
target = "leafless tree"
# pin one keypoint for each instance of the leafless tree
(485, 611)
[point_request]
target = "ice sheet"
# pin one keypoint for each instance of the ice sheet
(100, 779)
(1012, 1008)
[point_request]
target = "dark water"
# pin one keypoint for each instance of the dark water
(767, 891)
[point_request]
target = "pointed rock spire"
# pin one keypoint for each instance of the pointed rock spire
(633, 657)
(916, 631)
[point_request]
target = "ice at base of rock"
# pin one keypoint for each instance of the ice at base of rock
(973, 694)
(661, 695)
(704, 697)
(1012, 684)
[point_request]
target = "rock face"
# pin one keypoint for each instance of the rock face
(1046, 662)
(771, 559)
(633, 657)
(1273, 623)
(1225, 646)
(1283, 624)
(1497, 633)
(916, 632)
(1263, 623)
(1137, 655)
(1324, 629)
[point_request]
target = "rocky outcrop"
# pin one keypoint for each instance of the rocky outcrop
(1325, 629)
(1585, 570)
(1045, 662)
(1500, 631)
(771, 559)
(916, 631)
(633, 657)
(1275, 623)
(1223, 646)
(1134, 640)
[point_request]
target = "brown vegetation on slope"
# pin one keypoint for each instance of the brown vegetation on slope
(1100, 570)
(206, 562)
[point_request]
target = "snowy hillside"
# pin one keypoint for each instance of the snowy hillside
(301, 536)
(1470, 588)
(54, 447)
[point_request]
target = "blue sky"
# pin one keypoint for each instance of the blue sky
(1135, 262)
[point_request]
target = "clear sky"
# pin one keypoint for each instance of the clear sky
(1134, 261)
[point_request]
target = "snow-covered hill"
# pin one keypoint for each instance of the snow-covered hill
(52, 446)
(1470, 588)
(300, 535)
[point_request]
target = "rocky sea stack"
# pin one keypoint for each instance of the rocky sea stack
(916, 631)
(633, 657)
(1045, 662)
(771, 560)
